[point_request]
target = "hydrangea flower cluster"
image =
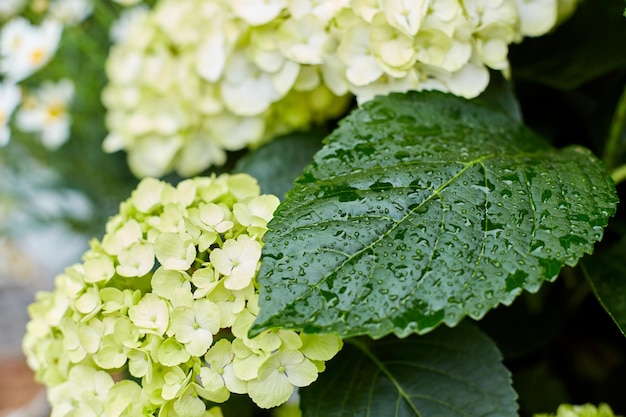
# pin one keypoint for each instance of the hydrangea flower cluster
(194, 78)
(585, 410)
(191, 80)
(155, 320)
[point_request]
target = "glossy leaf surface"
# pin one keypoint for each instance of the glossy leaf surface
(421, 209)
(450, 372)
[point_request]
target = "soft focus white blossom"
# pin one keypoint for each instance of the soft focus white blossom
(25, 48)
(45, 113)
(70, 12)
(178, 324)
(127, 2)
(120, 28)
(10, 96)
(192, 79)
(10, 8)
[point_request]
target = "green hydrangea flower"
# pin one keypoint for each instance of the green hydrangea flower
(585, 410)
(154, 322)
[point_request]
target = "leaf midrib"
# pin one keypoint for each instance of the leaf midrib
(436, 192)
(363, 348)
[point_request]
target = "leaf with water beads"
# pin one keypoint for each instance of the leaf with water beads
(423, 208)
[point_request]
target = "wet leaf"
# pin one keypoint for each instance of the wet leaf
(450, 372)
(606, 272)
(421, 209)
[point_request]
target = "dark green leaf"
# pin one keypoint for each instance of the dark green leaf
(592, 43)
(421, 209)
(450, 372)
(277, 164)
(606, 273)
(500, 95)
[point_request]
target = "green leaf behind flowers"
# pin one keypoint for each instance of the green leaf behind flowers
(606, 272)
(421, 209)
(277, 164)
(590, 44)
(450, 372)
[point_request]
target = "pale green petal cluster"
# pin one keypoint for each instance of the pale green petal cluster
(585, 410)
(192, 79)
(155, 320)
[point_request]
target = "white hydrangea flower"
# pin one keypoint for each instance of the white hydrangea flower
(257, 13)
(237, 260)
(120, 29)
(218, 376)
(406, 15)
(223, 86)
(151, 314)
(46, 114)
(157, 301)
(278, 376)
(258, 56)
(195, 326)
(264, 68)
(537, 17)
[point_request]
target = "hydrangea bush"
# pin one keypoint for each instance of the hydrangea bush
(192, 79)
(155, 320)
(412, 259)
(585, 410)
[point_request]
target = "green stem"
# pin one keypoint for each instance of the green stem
(619, 174)
(615, 131)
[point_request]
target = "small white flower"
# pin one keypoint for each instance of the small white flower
(25, 48)
(277, 377)
(537, 17)
(256, 12)
(406, 15)
(195, 326)
(174, 253)
(303, 40)
(150, 315)
(355, 51)
(324, 10)
(393, 49)
(237, 261)
(46, 113)
(242, 78)
(136, 261)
